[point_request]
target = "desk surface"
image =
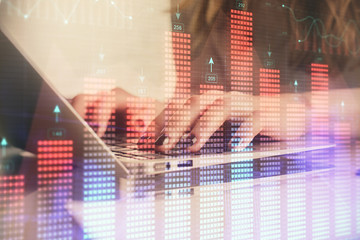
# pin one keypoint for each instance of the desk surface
(318, 204)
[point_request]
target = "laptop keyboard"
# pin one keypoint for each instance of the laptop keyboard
(129, 150)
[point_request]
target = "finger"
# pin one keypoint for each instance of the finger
(215, 117)
(139, 123)
(144, 124)
(246, 133)
(208, 124)
(102, 113)
(98, 111)
(79, 104)
(183, 118)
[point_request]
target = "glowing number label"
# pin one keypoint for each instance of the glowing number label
(211, 78)
(178, 27)
(142, 91)
(241, 4)
(269, 63)
(56, 133)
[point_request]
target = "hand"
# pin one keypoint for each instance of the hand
(98, 109)
(205, 115)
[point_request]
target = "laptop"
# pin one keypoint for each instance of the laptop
(33, 110)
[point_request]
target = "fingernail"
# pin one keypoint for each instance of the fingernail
(192, 139)
(162, 140)
(143, 139)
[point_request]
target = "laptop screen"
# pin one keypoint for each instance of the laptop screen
(20, 86)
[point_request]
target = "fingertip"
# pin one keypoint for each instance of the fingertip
(164, 143)
(163, 148)
(196, 147)
(159, 149)
(101, 131)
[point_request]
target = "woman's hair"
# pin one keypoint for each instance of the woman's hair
(340, 18)
(340, 23)
(202, 17)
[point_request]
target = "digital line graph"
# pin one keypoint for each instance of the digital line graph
(319, 26)
(26, 9)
